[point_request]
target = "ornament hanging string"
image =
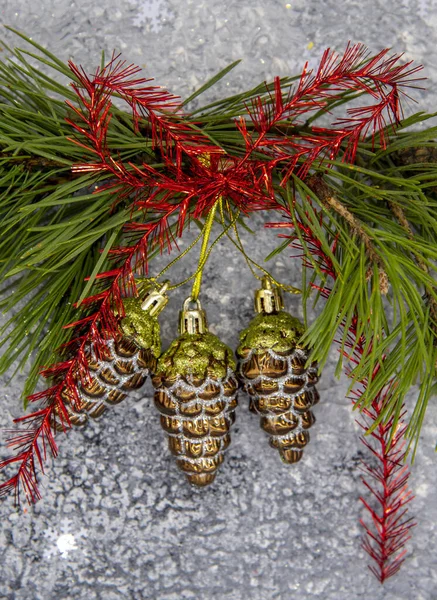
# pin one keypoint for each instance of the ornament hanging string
(239, 245)
(203, 251)
(202, 260)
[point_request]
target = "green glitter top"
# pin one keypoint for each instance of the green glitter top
(278, 331)
(140, 326)
(199, 355)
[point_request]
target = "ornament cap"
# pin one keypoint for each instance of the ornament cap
(268, 299)
(155, 299)
(192, 320)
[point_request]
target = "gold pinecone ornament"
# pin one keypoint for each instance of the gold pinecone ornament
(123, 364)
(196, 394)
(271, 367)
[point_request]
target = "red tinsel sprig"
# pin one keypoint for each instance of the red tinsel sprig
(380, 77)
(248, 185)
(171, 134)
(387, 481)
(175, 135)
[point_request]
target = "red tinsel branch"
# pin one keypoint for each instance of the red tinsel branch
(173, 135)
(380, 77)
(248, 182)
(388, 530)
(387, 481)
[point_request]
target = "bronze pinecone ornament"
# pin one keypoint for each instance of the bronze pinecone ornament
(123, 364)
(272, 370)
(196, 394)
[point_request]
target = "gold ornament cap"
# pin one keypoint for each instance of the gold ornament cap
(192, 320)
(268, 299)
(155, 299)
(140, 322)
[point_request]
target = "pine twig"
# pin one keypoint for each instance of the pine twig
(35, 162)
(330, 200)
(413, 156)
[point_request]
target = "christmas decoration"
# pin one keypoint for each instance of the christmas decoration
(196, 394)
(272, 368)
(389, 527)
(91, 192)
(121, 365)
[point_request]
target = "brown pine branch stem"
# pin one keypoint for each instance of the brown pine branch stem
(330, 200)
(35, 161)
(400, 217)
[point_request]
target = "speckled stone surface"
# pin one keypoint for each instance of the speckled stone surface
(117, 519)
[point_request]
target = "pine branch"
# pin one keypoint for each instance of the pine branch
(407, 335)
(330, 200)
(385, 540)
(402, 220)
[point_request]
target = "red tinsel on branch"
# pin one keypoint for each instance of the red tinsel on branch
(389, 528)
(187, 190)
(386, 479)
(380, 77)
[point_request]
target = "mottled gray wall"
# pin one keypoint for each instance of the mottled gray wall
(117, 520)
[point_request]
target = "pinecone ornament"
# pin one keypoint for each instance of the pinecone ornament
(124, 363)
(196, 394)
(271, 367)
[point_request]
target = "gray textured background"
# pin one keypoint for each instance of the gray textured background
(117, 519)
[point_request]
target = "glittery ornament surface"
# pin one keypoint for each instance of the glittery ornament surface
(196, 394)
(278, 331)
(121, 367)
(199, 355)
(197, 415)
(282, 392)
(136, 325)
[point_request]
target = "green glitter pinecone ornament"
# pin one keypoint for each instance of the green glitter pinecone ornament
(124, 363)
(271, 367)
(196, 394)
